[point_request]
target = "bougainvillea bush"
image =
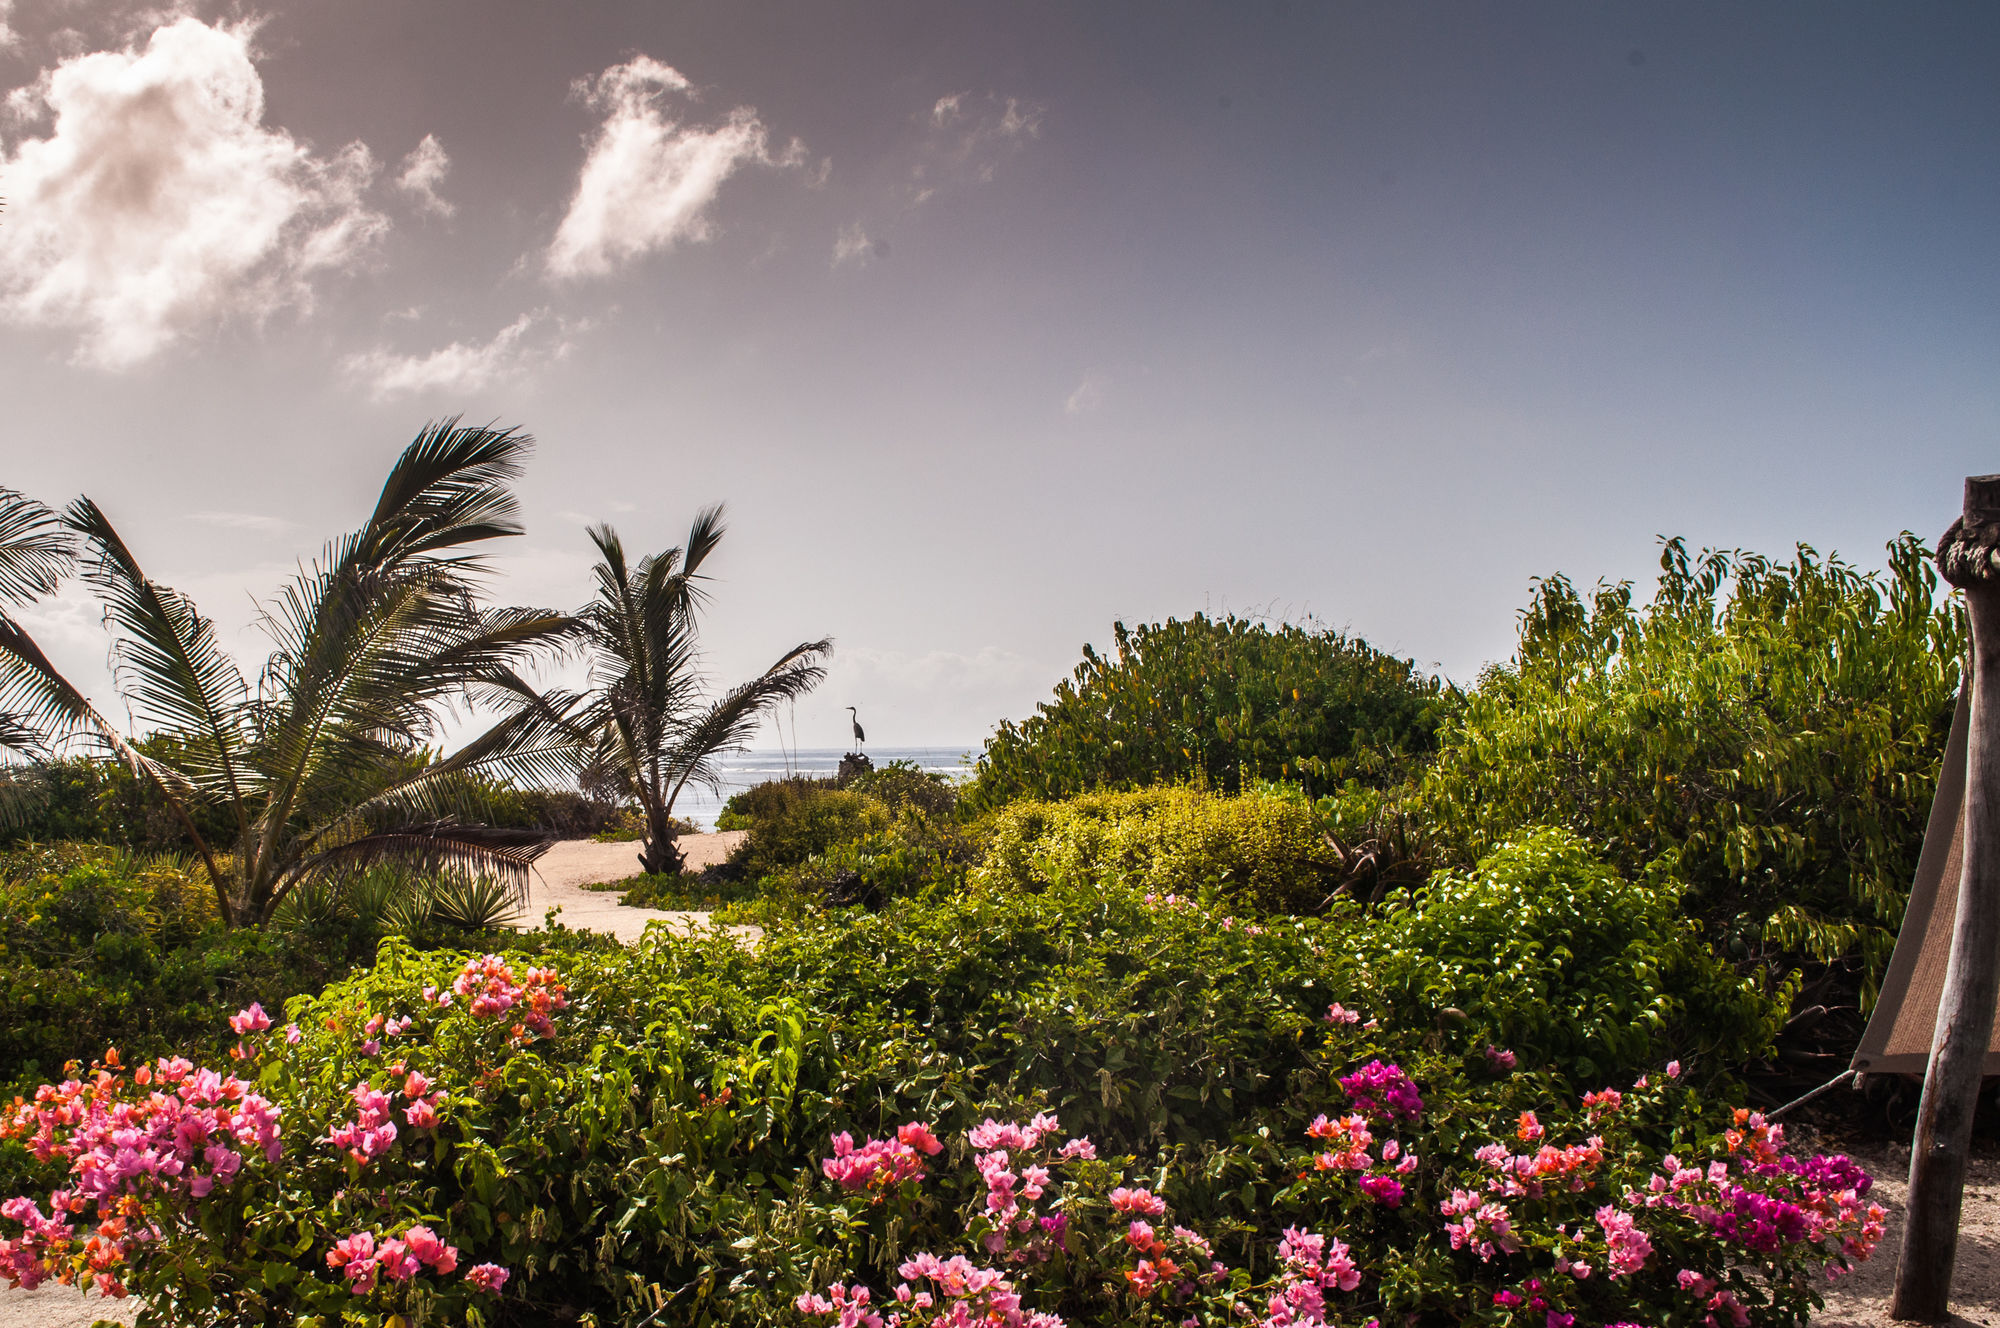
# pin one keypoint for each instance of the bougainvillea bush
(1091, 1106)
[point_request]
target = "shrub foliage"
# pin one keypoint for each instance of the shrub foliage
(1221, 699)
(1264, 849)
(1773, 730)
(671, 1131)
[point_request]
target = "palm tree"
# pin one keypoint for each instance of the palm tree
(319, 768)
(35, 552)
(645, 723)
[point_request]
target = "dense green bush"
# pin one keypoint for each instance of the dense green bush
(1771, 730)
(791, 820)
(565, 813)
(905, 786)
(1223, 700)
(1265, 850)
(1546, 950)
(655, 1149)
(102, 948)
(771, 799)
(816, 842)
(85, 800)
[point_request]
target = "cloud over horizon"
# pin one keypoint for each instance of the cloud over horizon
(159, 202)
(648, 180)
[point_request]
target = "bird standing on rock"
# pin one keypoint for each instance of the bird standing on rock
(859, 736)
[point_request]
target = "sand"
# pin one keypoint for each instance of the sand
(565, 869)
(1861, 1300)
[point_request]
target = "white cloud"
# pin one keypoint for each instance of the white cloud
(263, 525)
(159, 202)
(464, 366)
(851, 245)
(423, 171)
(969, 132)
(1088, 396)
(8, 37)
(963, 140)
(649, 179)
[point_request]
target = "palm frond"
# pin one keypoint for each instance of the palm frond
(703, 536)
(442, 848)
(169, 663)
(537, 743)
(449, 488)
(34, 695)
(19, 736)
(35, 549)
(727, 724)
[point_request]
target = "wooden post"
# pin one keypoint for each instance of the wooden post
(1969, 558)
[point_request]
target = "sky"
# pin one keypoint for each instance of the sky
(995, 323)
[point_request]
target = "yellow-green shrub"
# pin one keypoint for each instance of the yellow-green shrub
(1263, 847)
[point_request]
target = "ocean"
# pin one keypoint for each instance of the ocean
(742, 769)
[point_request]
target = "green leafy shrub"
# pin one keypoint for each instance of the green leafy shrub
(798, 819)
(101, 948)
(770, 800)
(1547, 951)
(686, 890)
(1221, 700)
(1777, 744)
(1263, 849)
(915, 856)
(655, 1132)
(903, 786)
(85, 800)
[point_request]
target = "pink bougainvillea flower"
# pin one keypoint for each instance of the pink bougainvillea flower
(487, 1277)
(917, 1135)
(252, 1020)
(428, 1247)
(1384, 1090)
(1603, 1102)
(1384, 1190)
(1130, 1201)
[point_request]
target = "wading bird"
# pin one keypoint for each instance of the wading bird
(859, 736)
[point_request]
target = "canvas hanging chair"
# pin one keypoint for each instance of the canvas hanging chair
(1898, 1037)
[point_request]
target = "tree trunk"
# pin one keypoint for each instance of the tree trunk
(662, 855)
(1967, 556)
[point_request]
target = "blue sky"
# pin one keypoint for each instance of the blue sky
(993, 323)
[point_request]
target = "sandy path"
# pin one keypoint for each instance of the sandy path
(565, 869)
(1861, 1300)
(61, 1307)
